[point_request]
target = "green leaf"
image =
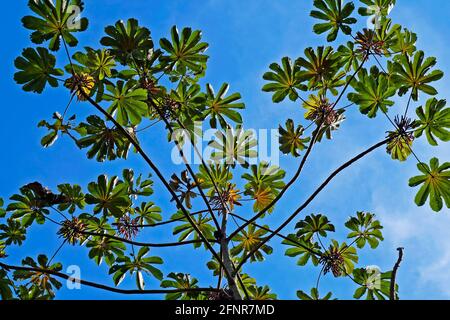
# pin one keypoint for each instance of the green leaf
(55, 22)
(148, 213)
(128, 42)
(185, 51)
(37, 68)
(314, 224)
(434, 121)
(373, 283)
(104, 142)
(6, 286)
(248, 240)
(221, 176)
(219, 106)
(32, 203)
(12, 232)
(322, 69)
(336, 16)
(105, 248)
(55, 128)
(129, 103)
(435, 184)
(180, 281)
(234, 146)
(261, 293)
(405, 42)
(44, 281)
(314, 295)
(74, 198)
(109, 196)
(415, 74)
(365, 228)
(139, 265)
(383, 7)
(186, 230)
(284, 80)
(306, 250)
(399, 145)
(291, 139)
(264, 184)
(372, 92)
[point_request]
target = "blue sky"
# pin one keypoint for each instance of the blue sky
(245, 37)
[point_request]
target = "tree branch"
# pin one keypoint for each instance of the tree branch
(312, 197)
(142, 244)
(104, 287)
(282, 192)
(394, 274)
(189, 168)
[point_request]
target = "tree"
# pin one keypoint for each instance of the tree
(131, 84)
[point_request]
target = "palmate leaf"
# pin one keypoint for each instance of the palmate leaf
(373, 7)
(314, 224)
(74, 197)
(219, 106)
(12, 232)
(190, 100)
(128, 41)
(55, 128)
(434, 121)
(349, 56)
(247, 240)
(291, 139)
(55, 21)
(399, 145)
(180, 281)
(284, 80)
(264, 184)
(105, 248)
(186, 230)
(405, 42)
(140, 265)
(109, 196)
(372, 92)
(320, 65)
(313, 296)
(376, 286)
(29, 206)
(104, 142)
(184, 187)
(148, 213)
(415, 74)
(44, 281)
(6, 286)
(365, 229)
(95, 64)
(136, 184)
(185, 51)
(261, 293)
(37, 68)
(234, 146)
(336, 15)
(435, 184)
(129, 103)
(221, 176)
(386, 36)
(306, 250)
(2, 211)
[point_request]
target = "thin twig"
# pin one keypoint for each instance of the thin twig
(392, 295)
